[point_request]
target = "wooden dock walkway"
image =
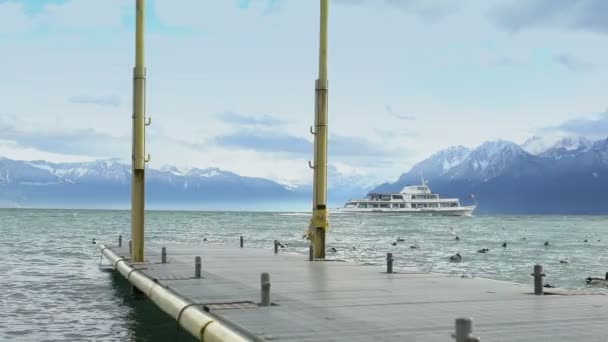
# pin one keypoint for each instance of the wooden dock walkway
(344, 301)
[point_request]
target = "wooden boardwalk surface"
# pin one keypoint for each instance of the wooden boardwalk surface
(343, 301)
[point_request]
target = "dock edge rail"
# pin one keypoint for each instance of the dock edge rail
(194, 320)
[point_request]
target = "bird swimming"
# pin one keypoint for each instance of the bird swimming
(483, 250)
(394, 244)
(586, 240)
(334, 250)
(414, 247)
(457, 238)
(456, 257)
(593, 281)
(93, 242)
(504, 245)
(547, 243)
(400, 239)
(564, 261)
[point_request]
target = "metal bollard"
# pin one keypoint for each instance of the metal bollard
(130, 247)
(119, 240)
(310, 253)
(389, 262)
(276, 246)
(464, 328)
(265, 278)
(538, 279)
(197, 267)
(163, 255)
(241, 241)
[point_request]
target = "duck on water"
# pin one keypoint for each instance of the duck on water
(593, 281)
(456, 257)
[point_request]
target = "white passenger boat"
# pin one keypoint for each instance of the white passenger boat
(413, 199)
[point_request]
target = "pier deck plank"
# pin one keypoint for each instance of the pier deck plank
(343, 301)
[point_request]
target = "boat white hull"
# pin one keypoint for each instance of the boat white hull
(459, 211)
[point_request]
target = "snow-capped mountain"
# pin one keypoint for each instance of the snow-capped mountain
(536, 144)
(488, 160)
(36, 183)
(100, 170)
(567, 147)
(507, 178)
(568, 176)
(442, 161)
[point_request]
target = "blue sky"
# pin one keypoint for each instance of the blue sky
(231, 83)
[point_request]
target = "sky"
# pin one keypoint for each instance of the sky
(231, 83)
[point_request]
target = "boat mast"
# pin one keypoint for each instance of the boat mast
(139, 139)
(319, 221)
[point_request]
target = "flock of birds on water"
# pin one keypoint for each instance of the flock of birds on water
(592, 281)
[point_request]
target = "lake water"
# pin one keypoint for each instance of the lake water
(53, 288)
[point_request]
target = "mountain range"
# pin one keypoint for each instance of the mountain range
(569, 176)
(106, 184)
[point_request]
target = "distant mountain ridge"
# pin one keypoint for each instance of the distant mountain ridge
(566, 176)
(570, 176)
(107, 182)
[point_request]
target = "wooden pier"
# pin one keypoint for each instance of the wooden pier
(334, 300)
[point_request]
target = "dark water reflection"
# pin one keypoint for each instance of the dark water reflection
(145, 321)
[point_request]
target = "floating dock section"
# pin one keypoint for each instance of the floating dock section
(221, 293)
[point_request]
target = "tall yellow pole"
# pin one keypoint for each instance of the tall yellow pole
(139, 139)
(319, 222)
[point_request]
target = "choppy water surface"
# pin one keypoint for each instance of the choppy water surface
(53, 288)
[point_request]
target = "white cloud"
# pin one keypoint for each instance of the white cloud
(13, 19)
(449, 74)
(79, 14)
(12, 150)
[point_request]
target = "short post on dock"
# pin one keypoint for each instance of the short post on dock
(389, 262)
(119, 240)
(163, 255)
(276, 246)
(197, 267)
(265, 279)
(241, 241)
(310, 253)
(464, 328)
(130, 248)
(538, 279)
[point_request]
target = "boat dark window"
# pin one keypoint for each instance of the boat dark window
(443, 205)
(453, 204)
(385, 205)
(397, 197)
(401, 205)
(350, 205)
(386, 197)
(432, 205)
(373, 205)
(362, 205)
(395, 205)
